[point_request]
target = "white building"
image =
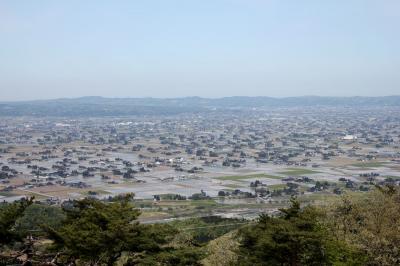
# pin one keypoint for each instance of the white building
(349, 137)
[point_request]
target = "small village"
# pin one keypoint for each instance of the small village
(235, 163)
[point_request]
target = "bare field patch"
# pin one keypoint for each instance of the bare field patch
(298, 172)
(241, 177)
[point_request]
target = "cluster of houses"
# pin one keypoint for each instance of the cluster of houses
(94, 153)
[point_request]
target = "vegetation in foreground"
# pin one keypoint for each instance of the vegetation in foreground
(355, 231)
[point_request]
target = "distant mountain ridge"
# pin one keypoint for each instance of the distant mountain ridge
(100, 106)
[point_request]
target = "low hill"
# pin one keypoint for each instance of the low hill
(99, 106)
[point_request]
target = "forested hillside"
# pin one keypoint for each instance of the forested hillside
(361, 230)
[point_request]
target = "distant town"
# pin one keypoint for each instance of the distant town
(230, 162)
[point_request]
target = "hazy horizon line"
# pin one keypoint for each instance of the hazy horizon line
(195, 96)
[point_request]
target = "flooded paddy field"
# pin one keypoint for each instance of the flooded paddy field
(248, 160)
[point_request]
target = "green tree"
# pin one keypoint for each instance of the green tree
(182, 256)
(98, 232)
(38, 215)
(9, 214)
(296, 237)
(371, 224)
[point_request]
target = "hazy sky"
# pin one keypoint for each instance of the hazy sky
(209, 48)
